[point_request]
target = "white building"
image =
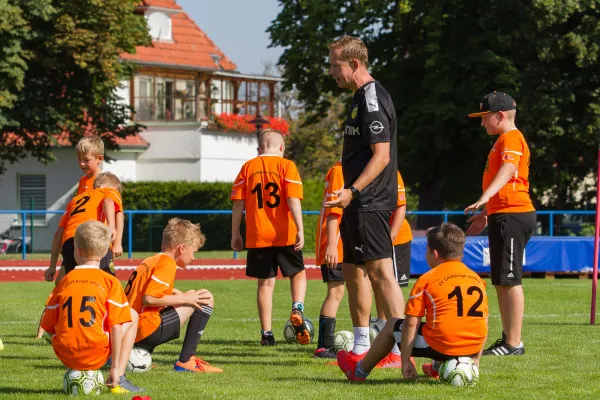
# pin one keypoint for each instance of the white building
(182, 85)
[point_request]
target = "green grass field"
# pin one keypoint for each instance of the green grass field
(561, 358)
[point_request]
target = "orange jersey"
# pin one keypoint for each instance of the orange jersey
(154, 277)
(514, 196)
(265, 183)
(79, 314)
(333, 181)
(454, 302)
(87, 207)
(86, 184)
(405, 233)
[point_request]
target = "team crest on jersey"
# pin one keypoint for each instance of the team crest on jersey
(354, 112)
(508, 157)
(112, 266)
(402, 197)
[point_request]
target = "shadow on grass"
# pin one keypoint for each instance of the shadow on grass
(369, 382)
(47, 366)
(570, 323)
(15, 390)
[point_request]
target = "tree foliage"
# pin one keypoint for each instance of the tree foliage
(437, 58)
(59, 68)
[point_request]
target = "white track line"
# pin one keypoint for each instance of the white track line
(132, 267)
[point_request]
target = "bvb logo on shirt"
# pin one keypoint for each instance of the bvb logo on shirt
(112, 266)
(354, 112)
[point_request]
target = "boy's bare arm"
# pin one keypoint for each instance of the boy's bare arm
(397, 221)
(409, 333)
(54, 252)
(331, 253)
(478, 356)
(296, 210)
(237, 213)
(193, 298)
(116, 338)
(118, 242)
(108, 205)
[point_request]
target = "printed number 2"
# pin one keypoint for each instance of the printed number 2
(79, 205)
(69, 306)
(273, 189)
(459, 301)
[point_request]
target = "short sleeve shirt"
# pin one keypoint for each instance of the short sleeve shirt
(79, 314)
(86, 184)
(454, 301)
(265, 183)
(333, 181)
(513, 197)
(371, 119)
(154, 277)
(87, 207)
(405, 233)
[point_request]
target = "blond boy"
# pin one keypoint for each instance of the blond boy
(88, 314)
(163, 309)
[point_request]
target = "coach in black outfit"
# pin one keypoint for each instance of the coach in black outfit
(369, 164)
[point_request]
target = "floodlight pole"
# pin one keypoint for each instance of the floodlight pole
(596, 235)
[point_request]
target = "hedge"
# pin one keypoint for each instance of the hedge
(179, 195)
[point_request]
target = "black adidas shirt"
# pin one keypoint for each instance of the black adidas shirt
(371, 119)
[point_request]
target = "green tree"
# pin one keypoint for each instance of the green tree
(437, 58)
(59, 68)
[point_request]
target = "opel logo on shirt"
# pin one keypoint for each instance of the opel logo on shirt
(376, 127)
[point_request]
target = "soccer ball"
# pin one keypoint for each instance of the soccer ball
(375, 327)
(290, 334)
(140, 360)
(461, 371)
(83, 382)
(343, 340)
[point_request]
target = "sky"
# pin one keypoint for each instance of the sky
(238, 27)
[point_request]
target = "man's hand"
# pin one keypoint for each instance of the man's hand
(299, 241)
(344, 197)
(237, 243)
(331, 255)
(117, 250)
(477, 205)
(49, 273)
(478, 223)
(408, 370)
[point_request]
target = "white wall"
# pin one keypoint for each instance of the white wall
(223, 154)
(123, 165)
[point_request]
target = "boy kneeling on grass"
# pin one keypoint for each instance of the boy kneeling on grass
(88, 314)
(453, 300)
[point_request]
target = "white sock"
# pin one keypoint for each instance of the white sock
(395, 349)
(361, 340)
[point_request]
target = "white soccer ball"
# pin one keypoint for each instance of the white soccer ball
(140, 360)
(83, 382)
(375, 327)
(290, 334)
(461, 371)
(343, 340)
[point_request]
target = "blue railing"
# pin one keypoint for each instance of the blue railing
(131, 213)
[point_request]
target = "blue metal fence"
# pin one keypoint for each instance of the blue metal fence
(130, 213)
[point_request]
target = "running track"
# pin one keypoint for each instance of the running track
(218, 269)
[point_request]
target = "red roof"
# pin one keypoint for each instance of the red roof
(190, 46)
(63, 140)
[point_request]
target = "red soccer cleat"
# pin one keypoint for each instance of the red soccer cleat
(347, 362)
(430, 371)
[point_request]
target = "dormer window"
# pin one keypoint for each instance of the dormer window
(159, 25)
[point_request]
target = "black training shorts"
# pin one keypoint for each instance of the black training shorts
(263, 262)
(366, 236)
(168, 330)
(508, 234)
(69, 263)
(402, 263)
(332, 274)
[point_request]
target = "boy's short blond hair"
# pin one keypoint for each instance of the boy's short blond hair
(352, 47)
(90, 145)
(182, 231)
(107, 179)
(93, 238)
(448, 240)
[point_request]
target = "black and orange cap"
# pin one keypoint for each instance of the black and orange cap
(494, 102)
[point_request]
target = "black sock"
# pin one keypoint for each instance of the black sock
(398, 329)
(194, 331)
(266, 333)
(326, 331)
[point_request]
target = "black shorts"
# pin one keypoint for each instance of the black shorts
(421, 348)
(332, 274)
(402, 263)
(508, 234)
(69, 263)
(366, 236)
(263, 262)
(167, 331)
